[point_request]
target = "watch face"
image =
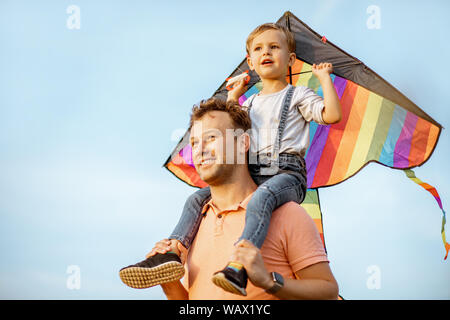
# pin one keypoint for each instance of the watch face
(278, 283)
(277, 278)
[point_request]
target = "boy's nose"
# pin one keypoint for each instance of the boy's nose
(267, 51)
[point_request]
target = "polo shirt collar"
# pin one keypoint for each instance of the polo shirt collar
(235, 207)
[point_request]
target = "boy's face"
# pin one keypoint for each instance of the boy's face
(269, 55)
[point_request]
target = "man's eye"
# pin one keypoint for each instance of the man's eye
(211, 138)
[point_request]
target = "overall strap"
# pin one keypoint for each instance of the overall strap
(283, 118)
(250, 104)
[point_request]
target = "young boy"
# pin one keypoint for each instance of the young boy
(279, 170)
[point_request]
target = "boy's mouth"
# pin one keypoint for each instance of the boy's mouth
(266, 62)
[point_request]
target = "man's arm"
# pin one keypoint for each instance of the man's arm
(175, 291)
(315, 281)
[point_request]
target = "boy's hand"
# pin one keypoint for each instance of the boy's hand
(322, 69)
(237, 91)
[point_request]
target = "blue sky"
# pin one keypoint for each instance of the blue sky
(88, 116)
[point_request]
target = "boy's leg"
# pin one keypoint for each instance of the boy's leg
(190, 219)
(271, 194)
(165, 267)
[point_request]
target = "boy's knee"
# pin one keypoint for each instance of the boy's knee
(261, 196)
(200, 196)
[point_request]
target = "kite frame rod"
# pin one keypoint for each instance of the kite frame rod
(336, 66)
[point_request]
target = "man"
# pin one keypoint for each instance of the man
(291, 264)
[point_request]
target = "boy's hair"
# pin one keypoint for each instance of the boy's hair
(239, 116)
(271, 26)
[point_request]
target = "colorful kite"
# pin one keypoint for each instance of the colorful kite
(379, 123)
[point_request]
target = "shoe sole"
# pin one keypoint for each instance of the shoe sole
(221, 281)
(141, 278)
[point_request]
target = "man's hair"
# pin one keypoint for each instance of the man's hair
(271, 26)
(238, 115)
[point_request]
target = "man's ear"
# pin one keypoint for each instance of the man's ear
(245, 142)
(242, 147)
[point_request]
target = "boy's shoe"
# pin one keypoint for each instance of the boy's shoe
(231, 280)
(157, 269)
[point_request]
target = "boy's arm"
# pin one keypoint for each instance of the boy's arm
(238, 90)
(332, 112)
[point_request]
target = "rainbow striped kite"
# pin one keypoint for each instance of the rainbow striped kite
(379, 123)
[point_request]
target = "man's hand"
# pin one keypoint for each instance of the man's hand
(166, 245)
(173, 290)
(317, 281)
(322, 69)
(237, 91)
(250, 256)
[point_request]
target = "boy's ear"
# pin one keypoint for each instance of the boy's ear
(250, 63)
(292, 58)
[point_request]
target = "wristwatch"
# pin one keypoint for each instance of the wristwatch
(278, 283)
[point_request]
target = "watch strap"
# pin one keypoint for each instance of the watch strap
(278, 283)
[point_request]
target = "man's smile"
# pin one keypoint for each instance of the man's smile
(206, 162)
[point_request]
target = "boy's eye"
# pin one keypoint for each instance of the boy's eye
(257, 49)
(274, 46)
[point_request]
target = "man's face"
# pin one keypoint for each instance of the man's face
(211, 139)
(269, 54)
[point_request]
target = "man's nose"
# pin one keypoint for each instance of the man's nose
(207, 151)
(204, 149)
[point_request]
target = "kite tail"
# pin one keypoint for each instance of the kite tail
(410, 174)
(311, 204)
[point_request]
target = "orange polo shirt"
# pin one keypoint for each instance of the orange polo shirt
(292, 243)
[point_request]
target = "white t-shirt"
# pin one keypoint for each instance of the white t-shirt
(265, 114)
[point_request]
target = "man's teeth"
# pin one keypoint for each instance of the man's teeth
(208, 161)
